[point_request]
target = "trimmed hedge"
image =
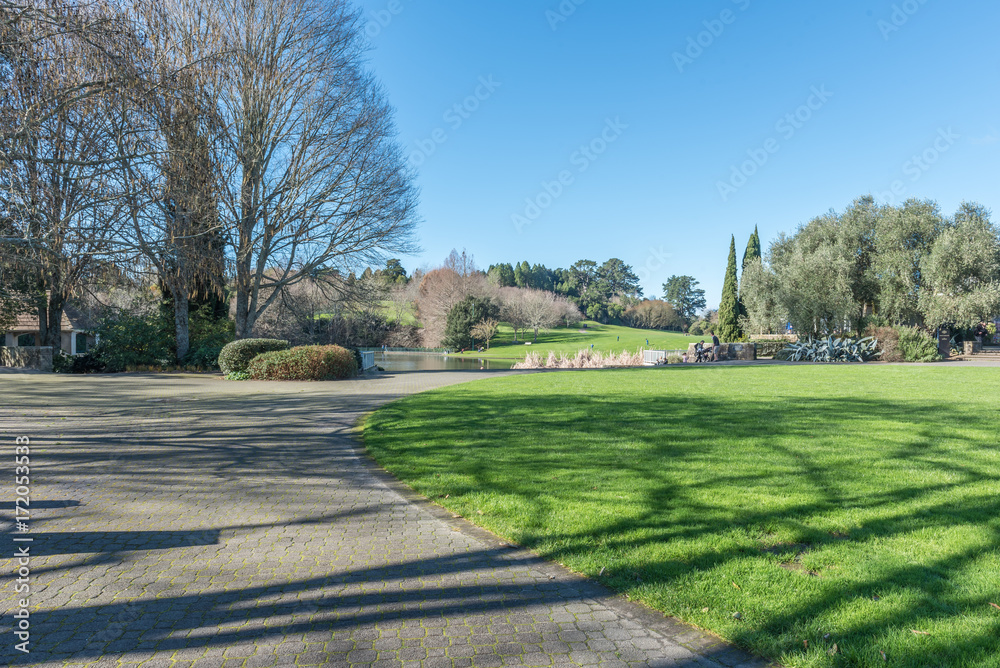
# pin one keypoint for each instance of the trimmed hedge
(304, 363)
(235, 357)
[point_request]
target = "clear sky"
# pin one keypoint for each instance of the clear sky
(653, 130)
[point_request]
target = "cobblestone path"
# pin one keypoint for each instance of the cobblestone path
(184, 521)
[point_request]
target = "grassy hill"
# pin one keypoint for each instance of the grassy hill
(569, 340)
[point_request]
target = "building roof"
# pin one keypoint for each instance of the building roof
(72, 320)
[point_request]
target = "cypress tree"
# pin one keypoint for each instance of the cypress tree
(729, 307)
(749, 255)
(753, 249)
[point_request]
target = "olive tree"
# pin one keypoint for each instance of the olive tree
(759, 291)
(904, 236)
(814, 278)
(961, 273)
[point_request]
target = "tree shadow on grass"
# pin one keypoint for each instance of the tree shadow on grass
(726, 479)
(715, 499)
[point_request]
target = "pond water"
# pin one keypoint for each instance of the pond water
(435, 362)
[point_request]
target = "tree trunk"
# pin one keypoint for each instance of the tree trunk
(55, 313)
(43, 327)
(242, 301)
(182, 330)
(536, 335)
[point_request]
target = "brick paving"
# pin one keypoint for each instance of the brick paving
(183, 521)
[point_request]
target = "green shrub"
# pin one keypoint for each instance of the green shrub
(88, 363)
(304, 363)
(205, 356)
(130, 339)
(702, 327)
(208, 336)
(236, 356)
(876, 321)
(916, 345)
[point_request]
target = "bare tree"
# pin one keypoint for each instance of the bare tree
(442, 288)
(512, 309)
(166, 127)
(315, 177)
(29, 28)
(541, 309)
(485, 329)
(526, 308)
(57, 62)
(570, 314)
(401, 298)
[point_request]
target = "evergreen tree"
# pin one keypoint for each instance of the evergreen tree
(729, 307)
(465, 315)
(502, 274)
(753, 249)
(394, 272)
(751, 254)
(685, 296)
(522, 275)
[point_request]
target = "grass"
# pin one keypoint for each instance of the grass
(847, 505)
(570, 340)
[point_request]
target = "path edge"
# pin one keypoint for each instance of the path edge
(710, 649)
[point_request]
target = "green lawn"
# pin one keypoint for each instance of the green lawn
(829, 504)
(570, 340)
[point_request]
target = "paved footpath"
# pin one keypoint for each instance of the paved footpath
(185, 521)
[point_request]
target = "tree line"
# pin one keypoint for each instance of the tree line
(878, 264)
(458, 305)
(602, 292)
(222, 150)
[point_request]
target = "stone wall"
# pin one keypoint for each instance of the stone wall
(728, 351)
(27, 358)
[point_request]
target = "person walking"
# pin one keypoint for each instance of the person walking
(715, 348)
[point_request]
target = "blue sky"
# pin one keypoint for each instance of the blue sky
(652, 131)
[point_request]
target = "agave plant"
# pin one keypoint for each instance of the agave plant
(833, 349)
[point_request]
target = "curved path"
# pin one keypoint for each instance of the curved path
(183, 521)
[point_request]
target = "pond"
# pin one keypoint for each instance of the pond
(435, 362)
